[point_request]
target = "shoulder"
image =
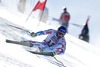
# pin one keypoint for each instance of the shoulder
(67, 13)
(63, 39)
(49, 31)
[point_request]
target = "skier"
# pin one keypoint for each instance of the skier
(54, 42)
(85, 33)
(64, 18)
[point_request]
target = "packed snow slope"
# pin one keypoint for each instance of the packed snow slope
(78, 53)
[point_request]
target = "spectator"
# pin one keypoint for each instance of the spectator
(85, 33)
(64, 18)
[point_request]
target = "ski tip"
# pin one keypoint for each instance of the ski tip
(7, 40)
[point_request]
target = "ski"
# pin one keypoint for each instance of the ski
(19, 43)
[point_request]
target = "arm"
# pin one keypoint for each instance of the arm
(49, 31)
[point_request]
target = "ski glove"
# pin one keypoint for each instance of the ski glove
(37, 33)
(52, 54)
(33, 34)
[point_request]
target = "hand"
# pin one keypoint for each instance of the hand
(33, 34)
(52, 54)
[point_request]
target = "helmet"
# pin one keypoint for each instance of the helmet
(65, 9)
(62, 29)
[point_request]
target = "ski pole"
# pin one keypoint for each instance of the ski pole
(59, 61)
(18, 28)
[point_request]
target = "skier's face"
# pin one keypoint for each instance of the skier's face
(60, 34)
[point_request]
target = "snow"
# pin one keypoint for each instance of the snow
(78, 53)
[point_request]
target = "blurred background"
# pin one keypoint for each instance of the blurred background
(79, 11)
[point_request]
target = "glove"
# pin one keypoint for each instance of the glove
(33, 34)
(53, 54)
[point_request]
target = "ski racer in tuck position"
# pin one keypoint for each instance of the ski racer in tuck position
(54, 43)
